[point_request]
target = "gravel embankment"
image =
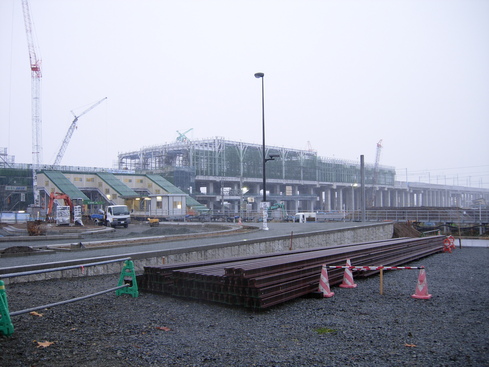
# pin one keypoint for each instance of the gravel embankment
(356, 327)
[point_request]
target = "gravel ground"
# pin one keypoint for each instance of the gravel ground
(356, 327)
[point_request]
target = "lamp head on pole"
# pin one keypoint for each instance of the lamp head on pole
(259, 75)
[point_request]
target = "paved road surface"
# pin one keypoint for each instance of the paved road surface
(275, 229)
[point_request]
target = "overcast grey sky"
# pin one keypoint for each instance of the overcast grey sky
(339, 77)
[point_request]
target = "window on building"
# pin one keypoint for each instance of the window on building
(177, 205)
(107, 191)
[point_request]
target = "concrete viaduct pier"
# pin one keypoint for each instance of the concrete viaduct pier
(325, 196)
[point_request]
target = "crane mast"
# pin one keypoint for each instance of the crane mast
(376, 172)
(72, 128)
(36, 75)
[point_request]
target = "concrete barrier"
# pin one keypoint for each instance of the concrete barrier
(471, 242)
(14, 217)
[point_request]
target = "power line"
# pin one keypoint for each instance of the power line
(440, 169)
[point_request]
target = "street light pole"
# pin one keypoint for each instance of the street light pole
(264, 202)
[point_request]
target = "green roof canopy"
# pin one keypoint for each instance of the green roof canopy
(123, 190)
(172, 189)
(65, 185)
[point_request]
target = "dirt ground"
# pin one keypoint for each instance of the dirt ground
(92, 235)
(405, 230)
(135, 230)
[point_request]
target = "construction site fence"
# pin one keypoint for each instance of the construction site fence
(81, 267)
(422, 215)
(449, 215)
(14, 217)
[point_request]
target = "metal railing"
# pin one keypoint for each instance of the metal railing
(127, 285)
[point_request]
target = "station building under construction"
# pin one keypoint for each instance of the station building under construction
(227, 176)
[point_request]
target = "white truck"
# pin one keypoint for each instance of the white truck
(305, 217)
(116, 215)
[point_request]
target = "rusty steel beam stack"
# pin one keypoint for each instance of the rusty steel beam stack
(159, 279)
(267, 280)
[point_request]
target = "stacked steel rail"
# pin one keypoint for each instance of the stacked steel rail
(267, 280)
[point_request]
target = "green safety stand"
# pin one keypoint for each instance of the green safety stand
(6, 326)
(128, 276)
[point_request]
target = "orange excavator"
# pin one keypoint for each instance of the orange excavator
(55, 196)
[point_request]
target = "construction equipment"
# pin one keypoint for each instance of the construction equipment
(153, 222)
(310, 148)
(376, 174)
(72, 128)
(36, 75)
(69, 213)
(182, 137)
(58, 196)
(281, 212)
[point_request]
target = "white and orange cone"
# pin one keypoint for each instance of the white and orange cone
(348, 277)
(422, 286)
(324, 283)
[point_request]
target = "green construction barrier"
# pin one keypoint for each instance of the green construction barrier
(128, 276)
(6, 326)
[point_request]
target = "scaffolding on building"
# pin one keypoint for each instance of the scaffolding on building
(6, 160)
(218, 157)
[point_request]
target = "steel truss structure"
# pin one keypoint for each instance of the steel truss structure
(227, 159)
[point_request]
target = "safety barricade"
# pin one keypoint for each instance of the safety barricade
(421, 291)
(127, 285)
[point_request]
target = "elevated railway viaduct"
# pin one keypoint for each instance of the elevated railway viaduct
(226, 176)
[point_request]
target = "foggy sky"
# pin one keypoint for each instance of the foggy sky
(339, 77)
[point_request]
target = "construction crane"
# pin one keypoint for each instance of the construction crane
(376, 172)
(310, 148)
(72, 128)
(36, 75)
(182, 137)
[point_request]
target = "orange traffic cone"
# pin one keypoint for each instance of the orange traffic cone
(446, 245)
(348, 277)
(324, 283)
(422, 287)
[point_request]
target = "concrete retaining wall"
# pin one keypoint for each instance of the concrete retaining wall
(327, 238)
(471, 242)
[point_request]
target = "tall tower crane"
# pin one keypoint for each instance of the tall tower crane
(36, 76)
(72, 128)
